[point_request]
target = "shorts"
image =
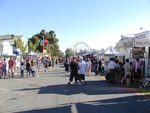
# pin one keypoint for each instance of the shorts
(46, 66)
(11, 70)
(82, 76)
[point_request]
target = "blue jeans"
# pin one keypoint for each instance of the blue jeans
(28, 72)
(96, 70)
(22, 73)
(33, 73)
(4, 72)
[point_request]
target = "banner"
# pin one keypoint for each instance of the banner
(142, 43)
(45, 42)
(142, 39)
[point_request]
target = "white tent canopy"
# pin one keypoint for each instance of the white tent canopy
(110, 51)
(31, 53)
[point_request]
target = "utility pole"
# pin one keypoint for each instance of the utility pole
(43, 44)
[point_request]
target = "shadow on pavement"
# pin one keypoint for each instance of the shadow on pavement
(130, 104)
(96, 87)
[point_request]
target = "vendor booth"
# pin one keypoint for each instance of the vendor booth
(142, 44)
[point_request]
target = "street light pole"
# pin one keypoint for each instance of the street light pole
(43, 44)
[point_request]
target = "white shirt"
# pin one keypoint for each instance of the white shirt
(111, 65)
(89, 63)
(33, 68)
(22, 67)
(127, 68)
(103, 63)
(82, 67)
(105, 67)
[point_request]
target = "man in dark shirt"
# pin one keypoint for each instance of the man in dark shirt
(95, 65)
(74, 70)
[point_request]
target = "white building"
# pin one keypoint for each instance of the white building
(10, 39)
(125, 44)
(6, 48)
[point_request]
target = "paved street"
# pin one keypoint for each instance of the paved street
(49, 93)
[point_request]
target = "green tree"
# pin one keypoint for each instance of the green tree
(31, 46)
(38, 39)
(69, 52)
(61, 54)
(19, 43)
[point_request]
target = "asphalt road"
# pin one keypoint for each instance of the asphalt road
(48, 92)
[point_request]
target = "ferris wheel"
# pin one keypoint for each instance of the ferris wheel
(80, 47)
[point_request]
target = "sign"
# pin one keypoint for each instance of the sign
(142, 35)
(142, 39)
(44, 51)
(142, 43)
(45, 42)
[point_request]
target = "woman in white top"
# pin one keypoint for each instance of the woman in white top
(88, 69)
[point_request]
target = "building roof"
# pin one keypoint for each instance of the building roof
(9, 38)
(128, 35)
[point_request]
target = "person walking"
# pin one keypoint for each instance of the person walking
(74, 71)
(4, 65)
(28, 67)
(103, 64)
(99, 67)
(137, 70)
(22, 68)
(82, 70)
(11, 70)
(39, 64)
(33, 67)
(127, 68)
(111, 69)
(89, 65)
(50, 64)
(66, 64)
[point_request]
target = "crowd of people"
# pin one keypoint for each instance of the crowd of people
(130, 72)
(7, 67)
(78, 68)
(29, 65)
(116, 72)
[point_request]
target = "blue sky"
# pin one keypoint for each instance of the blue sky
(99, 23)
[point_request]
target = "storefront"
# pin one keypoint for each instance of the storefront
(142, 49)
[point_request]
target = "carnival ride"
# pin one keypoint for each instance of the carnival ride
(81, 47)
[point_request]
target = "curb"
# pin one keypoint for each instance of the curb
(136, 92)
(133, 90)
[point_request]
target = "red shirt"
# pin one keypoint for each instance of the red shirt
(11, 63)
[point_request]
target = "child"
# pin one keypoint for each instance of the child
(33, 70)
(22, 68)
(39, 64)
